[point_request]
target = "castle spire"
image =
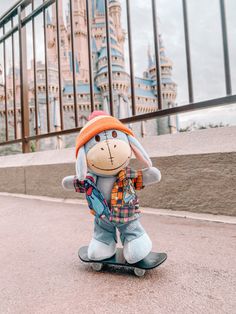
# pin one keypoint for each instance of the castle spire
(150, 60)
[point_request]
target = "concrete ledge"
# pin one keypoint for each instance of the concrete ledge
(146, 211)
(203, 182)
(218, 140)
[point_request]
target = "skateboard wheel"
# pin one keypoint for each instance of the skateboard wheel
(97, 266)
(139, 272)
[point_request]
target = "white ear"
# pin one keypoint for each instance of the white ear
(139, 151)
(81, 164)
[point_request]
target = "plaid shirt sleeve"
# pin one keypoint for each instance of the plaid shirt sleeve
(138, 181)
(79, 185)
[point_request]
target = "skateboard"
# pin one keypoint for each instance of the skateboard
(153, 260)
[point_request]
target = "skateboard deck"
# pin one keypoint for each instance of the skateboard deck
(151, 261)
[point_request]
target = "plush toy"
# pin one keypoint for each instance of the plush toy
(103, 151)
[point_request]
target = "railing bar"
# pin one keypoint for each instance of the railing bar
(13, 11)
(8, 34)
(24, 86)
(110, 79)
(11, 142)
(228, 86)
(7, 15)
(223, 101)
(157, 54)
(46, 69)
(131, 64)
(28, 18)
(5, 85)
(35, 75)
(188, 54)
(14, 83)
(91, 78)
(59, 66)
(37, 11)
(73, 61)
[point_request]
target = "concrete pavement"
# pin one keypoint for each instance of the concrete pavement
(40, 271)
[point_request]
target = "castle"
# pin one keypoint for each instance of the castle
(145, 86)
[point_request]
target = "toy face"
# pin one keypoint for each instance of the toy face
(108, 152)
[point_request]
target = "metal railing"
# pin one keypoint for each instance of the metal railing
(18, 20)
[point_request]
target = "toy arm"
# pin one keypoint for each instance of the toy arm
(72, 183)
(68, 183)
(151, 175)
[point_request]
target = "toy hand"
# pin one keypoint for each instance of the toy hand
(68, 183)
(151, 175)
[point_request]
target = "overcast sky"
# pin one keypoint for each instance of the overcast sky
(206, 49)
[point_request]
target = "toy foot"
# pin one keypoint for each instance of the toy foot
(137, 249)
(98, 251)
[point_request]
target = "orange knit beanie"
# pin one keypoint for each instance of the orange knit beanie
(99, 121)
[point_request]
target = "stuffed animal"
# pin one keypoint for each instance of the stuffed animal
(104, 148)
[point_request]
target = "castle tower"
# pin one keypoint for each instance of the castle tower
(51, 42)
(165, 124)
(64, 41)
(115, 14)
(81, 42)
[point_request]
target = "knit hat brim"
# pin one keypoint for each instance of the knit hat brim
(98, 125)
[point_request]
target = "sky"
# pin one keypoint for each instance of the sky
(206, 49)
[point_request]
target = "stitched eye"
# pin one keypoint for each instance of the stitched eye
(114, 134)
(97, 138)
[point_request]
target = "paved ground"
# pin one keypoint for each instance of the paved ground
(40, 271)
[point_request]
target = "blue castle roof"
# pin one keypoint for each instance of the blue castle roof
(143, 81)
(115, 68)
(48, 19)
(164, 80)
(80, 89)
(144, 93)
(114, 52)
(94, 45)
(71, 64)
(98, 6)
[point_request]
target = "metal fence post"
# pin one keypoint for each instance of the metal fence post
(24, 84)
(228, 85)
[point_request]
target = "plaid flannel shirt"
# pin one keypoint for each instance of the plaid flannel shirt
(124, 205)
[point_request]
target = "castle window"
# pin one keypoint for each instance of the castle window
(118, 73)
(81, 95)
